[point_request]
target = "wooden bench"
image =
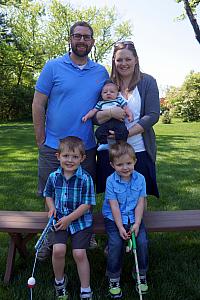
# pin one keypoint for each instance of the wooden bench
(23, 225)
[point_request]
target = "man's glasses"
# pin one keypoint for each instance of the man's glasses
(78, 37)
(124, 43)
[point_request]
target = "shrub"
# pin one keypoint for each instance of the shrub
(166, 118)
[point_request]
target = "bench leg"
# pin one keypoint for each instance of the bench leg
(17, 242)
(10, 261)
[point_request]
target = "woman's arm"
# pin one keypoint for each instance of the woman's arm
(150, 102)
(107, 114)
(135, 129)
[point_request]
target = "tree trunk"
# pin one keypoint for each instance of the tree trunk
(192, 19)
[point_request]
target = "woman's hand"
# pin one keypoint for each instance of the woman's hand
(111, 135)
(118, 113)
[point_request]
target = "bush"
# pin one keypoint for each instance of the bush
(16, 103)
(166, 118)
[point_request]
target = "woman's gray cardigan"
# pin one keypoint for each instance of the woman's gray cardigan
(150, 111)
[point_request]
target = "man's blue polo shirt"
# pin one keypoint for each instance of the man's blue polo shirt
(69, 194)
(126, 193)
(71, 92)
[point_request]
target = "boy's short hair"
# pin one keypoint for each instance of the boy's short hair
(71, 143)
(119, 149)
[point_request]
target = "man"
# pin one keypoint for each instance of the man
(67, 88)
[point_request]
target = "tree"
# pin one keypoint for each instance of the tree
(104, 21)
(190, 9)
(32, 33)
(185, 101)
(190, 92)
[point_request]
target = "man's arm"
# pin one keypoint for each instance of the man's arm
(38, 113)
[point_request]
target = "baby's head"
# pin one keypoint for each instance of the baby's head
(110, 91)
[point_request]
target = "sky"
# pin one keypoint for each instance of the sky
(167, 49)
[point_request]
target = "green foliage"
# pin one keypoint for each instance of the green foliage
(174, 258)
(166, 118)
(185, 101)
(32, 33)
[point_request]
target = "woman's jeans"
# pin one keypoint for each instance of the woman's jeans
(116, 249)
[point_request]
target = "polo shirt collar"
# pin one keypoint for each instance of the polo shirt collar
(67, 60)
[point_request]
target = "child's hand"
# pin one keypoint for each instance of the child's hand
(51, 212)
(84, 119)
(62, 224)
(124, 235)
(135, 229)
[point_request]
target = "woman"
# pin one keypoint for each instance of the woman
(141, 92)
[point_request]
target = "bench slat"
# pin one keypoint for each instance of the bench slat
(33, 222)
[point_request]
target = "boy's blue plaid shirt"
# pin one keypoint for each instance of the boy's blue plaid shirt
(69, 194)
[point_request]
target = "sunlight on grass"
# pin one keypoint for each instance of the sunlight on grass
(174, 257)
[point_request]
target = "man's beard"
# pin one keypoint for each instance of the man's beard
(80, 53)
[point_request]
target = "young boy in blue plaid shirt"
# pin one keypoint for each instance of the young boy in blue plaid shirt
(69, 196)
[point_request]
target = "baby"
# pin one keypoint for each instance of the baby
(110, 98)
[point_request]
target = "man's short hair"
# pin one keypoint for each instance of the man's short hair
(119, 149)
(71, 143)
(81, 23)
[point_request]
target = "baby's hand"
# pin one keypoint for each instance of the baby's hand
(84, 119)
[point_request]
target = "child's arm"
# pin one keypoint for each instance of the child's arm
(139, 210)
(89, 115)
(128, 113)
(65, 221)
(51, 206)
(118, 220)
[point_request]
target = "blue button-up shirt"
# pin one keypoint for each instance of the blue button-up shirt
(126, 193)
(69, 194)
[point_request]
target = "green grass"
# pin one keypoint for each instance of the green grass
(174, 257)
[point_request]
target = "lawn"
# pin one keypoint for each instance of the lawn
(174, 257)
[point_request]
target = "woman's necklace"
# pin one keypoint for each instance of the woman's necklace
(125, 93)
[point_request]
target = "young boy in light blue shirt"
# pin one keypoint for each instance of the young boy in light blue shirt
(123, 209)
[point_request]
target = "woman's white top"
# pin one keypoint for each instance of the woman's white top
(134, 104)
